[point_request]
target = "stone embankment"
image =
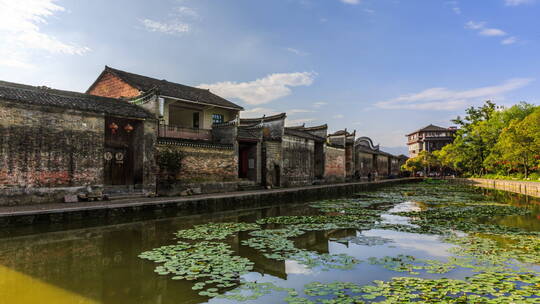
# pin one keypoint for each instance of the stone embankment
(166, 207)
(526, 188)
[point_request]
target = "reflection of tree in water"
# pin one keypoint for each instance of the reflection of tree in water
(526, 222)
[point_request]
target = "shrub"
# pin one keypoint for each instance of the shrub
(169, 162)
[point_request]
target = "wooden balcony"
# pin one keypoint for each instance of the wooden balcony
(170, 131)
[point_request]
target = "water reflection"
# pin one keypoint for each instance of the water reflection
(100, 264)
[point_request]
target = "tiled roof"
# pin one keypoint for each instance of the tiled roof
(367, 143)
(171, 89)
(248, 121)
(192, 143)
(343, 133)
(430, 128)
(314, 128)
(70, 100)
(303, 134)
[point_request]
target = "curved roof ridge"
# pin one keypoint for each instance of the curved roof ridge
(265, 118)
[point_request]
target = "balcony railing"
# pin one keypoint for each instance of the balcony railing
(170, 131)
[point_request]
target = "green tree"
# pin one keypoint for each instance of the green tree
(413, 165)
(473, 151)
(425, 161)
(520, 142)
(492, 129)
(470, 142)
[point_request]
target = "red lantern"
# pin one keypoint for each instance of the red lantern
(128, 128)
(113, 127)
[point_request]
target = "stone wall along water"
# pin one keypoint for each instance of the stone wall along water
(521, 187)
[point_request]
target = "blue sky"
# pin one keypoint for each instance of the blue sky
(382, 67)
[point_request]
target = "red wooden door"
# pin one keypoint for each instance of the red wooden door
(243, 163)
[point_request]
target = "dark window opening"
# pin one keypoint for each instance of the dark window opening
(217, 118)
(196, 120)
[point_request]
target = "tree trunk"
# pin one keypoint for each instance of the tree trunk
(525, 167)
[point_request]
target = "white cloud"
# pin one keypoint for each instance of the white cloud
(258, 112)
(180, 23)
(517, 2)
(475, 25)
(509, 40)
(445, 99)
(175, 27)
(263, 90)
(338, 116)
(20, 28)
(354, 2)
(296, 51)
(454, 5)
(319, 104)
(483, 30)
(492, 32)
(299, 111)
(186, 11)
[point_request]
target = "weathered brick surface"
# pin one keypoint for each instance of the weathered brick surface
(349, 160)
(109, 85)
(274, 163)
(334, 164)
(395, 167)
(48, 152)
(44, 148)
(48, 149)
(382, 166)
(364, 164)
(298, 161)
(206, 164)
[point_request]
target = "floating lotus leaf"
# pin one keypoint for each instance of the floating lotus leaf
(214, 231)
(205, 262)
(500, 258)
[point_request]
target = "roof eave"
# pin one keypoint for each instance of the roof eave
(204, 103)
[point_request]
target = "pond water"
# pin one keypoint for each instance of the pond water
(422, 242)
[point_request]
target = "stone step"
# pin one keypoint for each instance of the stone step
(249, 187)
(119, 196)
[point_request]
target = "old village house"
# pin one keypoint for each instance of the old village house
(195, 122)
(55, 142)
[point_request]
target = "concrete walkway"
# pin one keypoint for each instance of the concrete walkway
(57, 212)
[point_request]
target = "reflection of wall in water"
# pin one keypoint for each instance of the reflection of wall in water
(101, 263)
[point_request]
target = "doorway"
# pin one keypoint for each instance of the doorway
(247, 160)
(122, 159)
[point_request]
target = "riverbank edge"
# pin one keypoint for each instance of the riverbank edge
(63, 213)
(520, 187)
